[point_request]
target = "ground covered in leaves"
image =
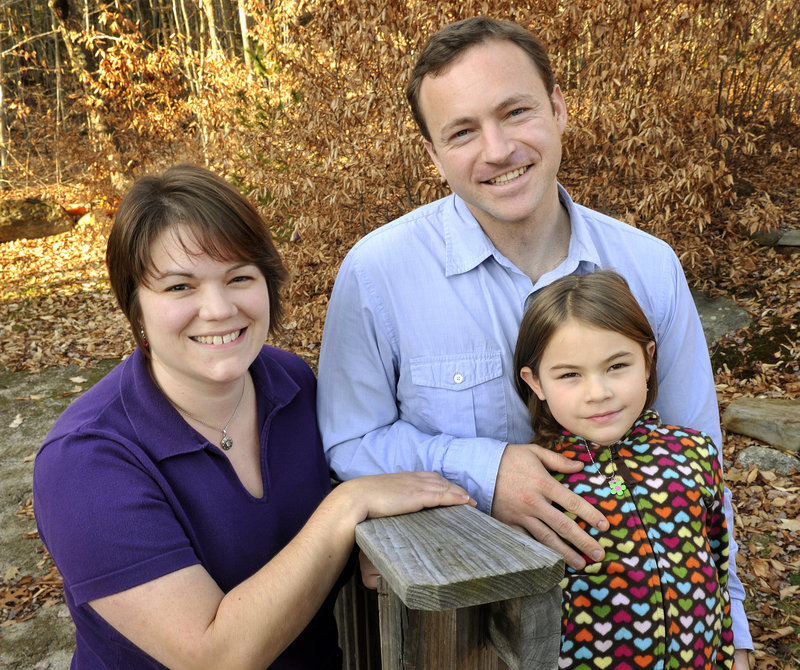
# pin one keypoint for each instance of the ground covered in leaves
(56, 308)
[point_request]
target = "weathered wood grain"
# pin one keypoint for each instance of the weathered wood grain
(451, 557)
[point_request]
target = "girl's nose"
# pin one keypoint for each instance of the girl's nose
(597, 388)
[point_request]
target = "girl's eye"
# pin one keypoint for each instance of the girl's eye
(176, 288)
(569, 375)
(241, 278)
(618, 366)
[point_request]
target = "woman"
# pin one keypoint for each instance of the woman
(185, 497)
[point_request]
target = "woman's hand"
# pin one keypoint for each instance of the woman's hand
(375, 496)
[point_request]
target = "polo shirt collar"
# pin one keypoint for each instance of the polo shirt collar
(159, 427)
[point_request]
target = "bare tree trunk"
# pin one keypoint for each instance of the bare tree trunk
(248, 61)
(59, 99)
(69, 24)
(4, 183)
(208, 8)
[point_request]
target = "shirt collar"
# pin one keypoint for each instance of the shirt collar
(467, 245)
(159, 427)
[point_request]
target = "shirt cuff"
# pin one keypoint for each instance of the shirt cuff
(742, 639)
(473, 464)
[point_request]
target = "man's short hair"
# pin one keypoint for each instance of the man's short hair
(445, 46)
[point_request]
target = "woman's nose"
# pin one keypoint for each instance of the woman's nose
(216, 305)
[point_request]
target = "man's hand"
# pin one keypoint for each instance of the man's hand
(523, 497)
(742, 659)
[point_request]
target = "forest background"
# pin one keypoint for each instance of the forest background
(684, 121)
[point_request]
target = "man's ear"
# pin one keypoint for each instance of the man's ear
(533, 381)
(559, 108)
(434, 157)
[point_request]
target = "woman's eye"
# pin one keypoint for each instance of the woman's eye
(177, 287)
(618, 366)
(241, 278)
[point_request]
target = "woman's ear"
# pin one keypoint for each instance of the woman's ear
(533, 381)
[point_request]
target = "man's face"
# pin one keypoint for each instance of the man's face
(496, 134)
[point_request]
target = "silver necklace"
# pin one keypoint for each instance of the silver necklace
(616, 483)
(227, 440)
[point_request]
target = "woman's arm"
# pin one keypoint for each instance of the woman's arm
(184, 620)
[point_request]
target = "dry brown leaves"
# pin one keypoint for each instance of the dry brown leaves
(22, 595)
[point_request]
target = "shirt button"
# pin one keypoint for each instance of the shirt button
(458, 378)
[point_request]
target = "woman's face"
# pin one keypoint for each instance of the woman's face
(205, 320)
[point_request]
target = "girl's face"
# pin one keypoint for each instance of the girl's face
(594, 380)
(205, 320)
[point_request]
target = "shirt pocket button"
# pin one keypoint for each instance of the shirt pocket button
(458, 378)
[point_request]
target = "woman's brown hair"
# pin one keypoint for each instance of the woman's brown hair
(219, 219)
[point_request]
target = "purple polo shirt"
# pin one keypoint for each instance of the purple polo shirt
(125, 491)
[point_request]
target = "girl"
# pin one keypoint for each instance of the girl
(585, 366)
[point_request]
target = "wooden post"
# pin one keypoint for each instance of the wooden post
(440, 570)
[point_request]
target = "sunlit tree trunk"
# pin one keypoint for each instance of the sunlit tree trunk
(59, 100)
(208, 8)
(4, 184)
(68, 21)
(245, 36)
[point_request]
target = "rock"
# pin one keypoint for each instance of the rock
(777, 238)
(775, 421)
(29, 218)
(768, 459)
(719, 316)
(767, 238)
(791, 238)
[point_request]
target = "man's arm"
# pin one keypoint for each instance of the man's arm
(363, 432)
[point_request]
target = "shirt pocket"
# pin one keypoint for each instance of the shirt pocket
(460, 394)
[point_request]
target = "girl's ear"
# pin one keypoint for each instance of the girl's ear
(650, 350)
(533, 381)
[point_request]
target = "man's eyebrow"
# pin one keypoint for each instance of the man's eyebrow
(520, 98)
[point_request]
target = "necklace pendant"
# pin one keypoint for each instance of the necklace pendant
(227, 441)
(618, 486)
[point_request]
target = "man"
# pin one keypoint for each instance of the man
(415, 365)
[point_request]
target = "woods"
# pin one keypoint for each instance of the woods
(302, 103)
(684, 120)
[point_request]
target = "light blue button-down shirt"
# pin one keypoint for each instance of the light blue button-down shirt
(415, 369)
